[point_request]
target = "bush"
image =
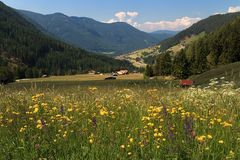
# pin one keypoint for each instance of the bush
(6, 75)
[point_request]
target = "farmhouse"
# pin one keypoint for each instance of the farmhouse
(122, 72)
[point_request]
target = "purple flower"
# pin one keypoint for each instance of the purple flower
(94, 121)
(62, 110)
(188, 126)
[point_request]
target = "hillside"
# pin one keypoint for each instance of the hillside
(139, 57)
(206, 25)
(142, 57)
(217, 48)
(26, 52)
(230, 72)
(115, 38)
(205, 52)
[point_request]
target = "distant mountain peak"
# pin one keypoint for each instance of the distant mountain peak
(57, 14)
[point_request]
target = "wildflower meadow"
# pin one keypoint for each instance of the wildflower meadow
(97, 122)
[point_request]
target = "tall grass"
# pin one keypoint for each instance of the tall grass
(114, 122)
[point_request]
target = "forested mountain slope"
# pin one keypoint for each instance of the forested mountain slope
(27, 52)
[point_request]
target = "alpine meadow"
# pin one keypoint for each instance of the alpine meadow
(91, 80)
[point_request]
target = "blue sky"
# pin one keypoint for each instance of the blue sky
(147, 15)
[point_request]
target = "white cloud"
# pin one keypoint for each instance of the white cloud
(121, 16)
(124, 17)
(234, 9)
(129, 21)
(177, 24)
(217, 13)
(111, 21)
(132, 14)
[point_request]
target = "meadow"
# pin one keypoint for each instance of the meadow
(130, 118)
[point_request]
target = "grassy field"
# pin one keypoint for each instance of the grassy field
(79, 117)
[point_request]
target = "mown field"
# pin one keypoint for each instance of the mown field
(66, 118)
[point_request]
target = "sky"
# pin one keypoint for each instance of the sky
(146, 15)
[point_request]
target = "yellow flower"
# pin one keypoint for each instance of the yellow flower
(91, 141)
(219, 120)
(201, 138)
(103, 112)
(150, 124)
(145, 118)
(226, 124)
(131, 140)
(231, 155)
(212, 122)
(22, 129)
(122, 146)
(34, 98)
(16, 113)
(39, 126)
(173, 111)
(44, 105)
(220, 141)
(70, 110)
(65, 134)
(160, 134)
(35, 110)
(209, 136)
(10, 120)
(92, 88)
(207, 148)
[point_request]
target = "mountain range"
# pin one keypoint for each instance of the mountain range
(87, 33)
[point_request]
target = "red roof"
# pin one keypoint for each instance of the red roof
(186, 82)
